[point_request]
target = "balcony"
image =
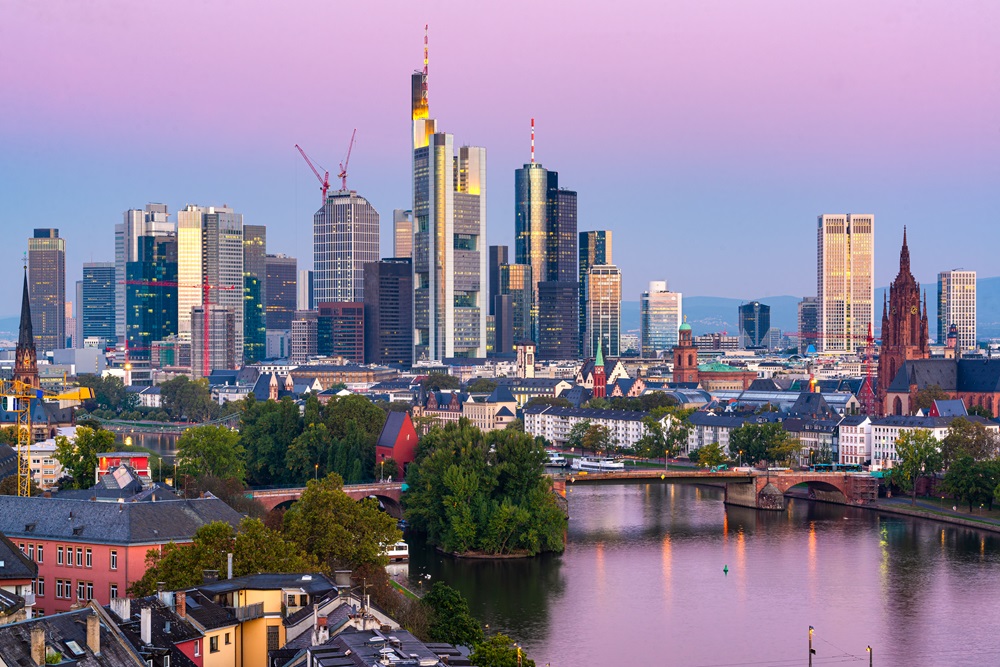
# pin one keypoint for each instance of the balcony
(249, 612)
(29, 599)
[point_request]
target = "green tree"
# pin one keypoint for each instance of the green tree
(597, 439)
(979, 411)
(267, 430)
(970, 481)
(924, 398)
(451, 622)
(8, 435)
(109, 394)
(337, 530)
(574, 438)
(308, 455)
(762, 443)
(185, 399)
(918, 454)
(482, 386)
(441, 381)
(968, 438)
(516, 425)
(555, 401)
(79, 457)
(712, 455)
(499, 651)
(8, 486)
(255, 548)
(366, 415)
(659, 441)
(211, 450)
(597, 403)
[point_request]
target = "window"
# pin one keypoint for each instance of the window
(40, 587)
(227, 639)
(213, 644)
(291, 600)
(59, 588)
(90, 558)
(197, 648)
(31, 551)
(81, 590)
(114, 559)
(272, 638)
(114, 590)
(79, 557)
(38, 552)
(90, 590)
(59, 555)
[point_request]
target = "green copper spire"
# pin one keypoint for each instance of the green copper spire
(600, 354)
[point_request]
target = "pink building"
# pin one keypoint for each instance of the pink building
(94, 550)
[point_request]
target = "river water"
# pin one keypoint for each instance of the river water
(642, 583)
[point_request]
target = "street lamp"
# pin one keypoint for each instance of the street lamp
(741, 458)
(316, 472)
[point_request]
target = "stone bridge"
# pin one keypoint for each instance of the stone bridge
(757, 489)
(388, 495)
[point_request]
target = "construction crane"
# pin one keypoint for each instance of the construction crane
(343, 165)
(205, 302)
(16, 396)
(324, 180)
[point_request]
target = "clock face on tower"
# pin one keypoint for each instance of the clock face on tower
(913, 310)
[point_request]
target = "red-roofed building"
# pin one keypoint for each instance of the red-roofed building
(398, 441)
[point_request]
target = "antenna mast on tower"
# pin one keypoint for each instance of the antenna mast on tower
(532, 141)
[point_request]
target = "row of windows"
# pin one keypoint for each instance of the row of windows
(64, 555)
(64, 589)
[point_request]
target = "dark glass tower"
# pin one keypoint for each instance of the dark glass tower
(254, 332)
(279, 291)
(47, 285)
(151, 295)
(755, 322)
(558, 325)
(389, 312)
(96, 309)
(499, 255)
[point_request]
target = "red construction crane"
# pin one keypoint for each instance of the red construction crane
(324, 180)
(205, 302)
(343, 165)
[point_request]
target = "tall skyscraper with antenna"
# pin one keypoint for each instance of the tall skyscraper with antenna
(449, 237)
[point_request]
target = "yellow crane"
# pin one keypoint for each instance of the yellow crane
(16, 396)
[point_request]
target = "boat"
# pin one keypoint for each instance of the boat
(398, 552)
(598, 464)
(556, 460)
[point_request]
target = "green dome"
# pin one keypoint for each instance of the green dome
(685, 327)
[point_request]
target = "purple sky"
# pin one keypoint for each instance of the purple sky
(707, 135)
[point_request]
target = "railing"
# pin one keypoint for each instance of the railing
(249, 612)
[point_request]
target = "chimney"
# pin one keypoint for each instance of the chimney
(146, 626)
(229, 566)
(38, 645)
(208, 576)
(180, 597)
(94, 634)
(122, 608)
(160, 585)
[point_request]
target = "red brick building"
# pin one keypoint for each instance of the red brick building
(398, 441)
(685, 356)
(94, 550)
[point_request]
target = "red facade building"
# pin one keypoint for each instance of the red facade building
(398, 441)
(685, 356)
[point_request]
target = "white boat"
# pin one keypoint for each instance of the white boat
(597, 464)
(398, 552)
(556, 459)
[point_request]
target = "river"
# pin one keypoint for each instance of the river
(642, 582)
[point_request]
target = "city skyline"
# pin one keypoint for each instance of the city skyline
(256, 170)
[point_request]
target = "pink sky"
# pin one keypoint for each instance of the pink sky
(669, 118)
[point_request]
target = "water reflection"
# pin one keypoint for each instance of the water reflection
(647, 560)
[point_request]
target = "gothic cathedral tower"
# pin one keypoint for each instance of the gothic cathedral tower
(26, 359)
(904, 328)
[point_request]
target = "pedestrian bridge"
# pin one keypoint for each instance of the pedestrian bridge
(388, 495)
(755, 489)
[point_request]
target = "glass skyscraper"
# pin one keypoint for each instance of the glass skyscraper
(151, 295)
(845, 268)
(595, 248)
(96, 303)
(280, 291)
(154, 220)
(660, 319)
(47, 287)
(755, 323)
(604, 310)
(345, 238)
(516, 281)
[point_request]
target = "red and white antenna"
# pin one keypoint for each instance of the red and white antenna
(425, 64)
(532, 141)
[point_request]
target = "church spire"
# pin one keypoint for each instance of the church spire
(25, 335)
(600, 354)
(26, 357)
(904, 256)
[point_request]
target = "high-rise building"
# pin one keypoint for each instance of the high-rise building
(544, 227)
(604, 310)
(210, 266)
(345, 238)
(808, 324)
(95, 308)
(517, 283)
(280, 298)
(154, 220)
(755, 324)
(254, 328)
(503, 324)
(304, 296)
(659, 319)
(215, 350)
(304, 333)
(70, 326)
(389, 312)
(957, 305)
(449, 255)
(255, 251)
(499, 255)
(151, 298)
(595, 249)
(402, 233)
(47, 283)
(340, 330)
(845, 267)
(558, 320)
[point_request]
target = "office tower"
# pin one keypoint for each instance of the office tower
(70, 326)
(604, 310)
(304, 333)
(345, 238)
(210, 266)
(503, 323)
(47, 285)
(151, 299)
(957, 305)
(594, 249)
(845, 266)
(402, 233)
(516, 282)
(154, 220)
(808, 324)
(254, 250)
(340, 330)
(216, 349)
(389, 312)
(755, 324)
(498, 257)
(280, 291)
(659, 319)
(558, 320)
(96, 302)
(449, 255)
(78, 322)
(304, 297)
(544, 226)
(254, 328)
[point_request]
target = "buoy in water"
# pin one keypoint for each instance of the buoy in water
(725, 570)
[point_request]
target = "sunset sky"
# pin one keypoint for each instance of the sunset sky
(708, 135)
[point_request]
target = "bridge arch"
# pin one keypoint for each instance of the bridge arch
(387, 504)
(821, 490)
